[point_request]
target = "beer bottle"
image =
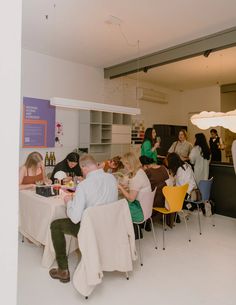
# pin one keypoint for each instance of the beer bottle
(46, 160)
(50, 159)
(53, 159)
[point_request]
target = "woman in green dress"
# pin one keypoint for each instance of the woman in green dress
(138, 182)
(150, 144)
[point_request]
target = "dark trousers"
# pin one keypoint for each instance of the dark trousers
(59, 228)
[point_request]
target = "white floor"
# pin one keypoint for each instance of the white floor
(202, 272)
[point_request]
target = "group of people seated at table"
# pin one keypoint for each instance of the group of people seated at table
(99, 184)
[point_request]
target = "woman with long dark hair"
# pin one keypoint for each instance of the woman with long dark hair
(181, 171)
(200, 157)
(150, 144)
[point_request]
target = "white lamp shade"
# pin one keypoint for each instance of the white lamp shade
(205, 120)
(60, 175)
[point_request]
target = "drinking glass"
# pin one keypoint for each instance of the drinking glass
(56, 187)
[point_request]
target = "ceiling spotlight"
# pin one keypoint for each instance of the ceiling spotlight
(207, 53)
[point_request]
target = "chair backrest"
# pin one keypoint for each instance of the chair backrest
(205, 188)
(175, 195)
(146, 200)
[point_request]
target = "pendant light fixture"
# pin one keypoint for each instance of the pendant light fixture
(205, 119)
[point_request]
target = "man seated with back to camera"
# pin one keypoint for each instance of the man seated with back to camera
(97, 188)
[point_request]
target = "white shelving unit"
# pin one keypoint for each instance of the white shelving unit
(105, 134)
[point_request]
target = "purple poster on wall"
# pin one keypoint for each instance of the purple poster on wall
(38, 123)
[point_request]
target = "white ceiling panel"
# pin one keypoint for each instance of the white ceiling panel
(76, 30)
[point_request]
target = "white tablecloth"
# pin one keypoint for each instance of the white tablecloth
(35, 216)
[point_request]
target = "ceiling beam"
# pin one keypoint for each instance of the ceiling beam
(228, 88)
(202, 46)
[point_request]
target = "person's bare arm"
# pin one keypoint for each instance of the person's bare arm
(130, 195)
(22, 174)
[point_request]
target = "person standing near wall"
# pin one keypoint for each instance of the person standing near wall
(200, 157)
(216, 145)
(181, 147)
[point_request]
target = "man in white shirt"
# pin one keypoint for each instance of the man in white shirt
(98, 188)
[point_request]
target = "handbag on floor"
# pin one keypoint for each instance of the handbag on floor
(196, 195)
(208, 211)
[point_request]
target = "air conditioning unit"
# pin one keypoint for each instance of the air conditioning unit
(151, 95)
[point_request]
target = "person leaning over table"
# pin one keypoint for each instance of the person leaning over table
(32, 171)
(97, 188)
(150, 144)
(181, 147)
(138, 182)
(113, 165)
(69, 165)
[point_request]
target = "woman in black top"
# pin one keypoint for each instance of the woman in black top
(216, 146)
(69, 165)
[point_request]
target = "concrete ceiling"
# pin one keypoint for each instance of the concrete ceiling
(77, 30)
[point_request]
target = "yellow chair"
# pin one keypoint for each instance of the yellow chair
(174, 196)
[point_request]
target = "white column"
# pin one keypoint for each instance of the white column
(10, 62)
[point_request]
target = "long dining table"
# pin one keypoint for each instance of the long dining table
(35, 216)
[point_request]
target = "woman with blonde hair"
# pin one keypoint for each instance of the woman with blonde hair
(32, 171)
(138, 182)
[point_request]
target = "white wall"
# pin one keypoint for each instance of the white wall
(124, 91)
(45, 77)
(228, 101)
(10, 51)
(195, 101)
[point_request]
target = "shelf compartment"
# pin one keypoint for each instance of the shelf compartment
(100, 148)
(106, 141)
(117, 118)
(106, 118)
(95, 133)
(95, 117)
(127, 120)
(106, 134)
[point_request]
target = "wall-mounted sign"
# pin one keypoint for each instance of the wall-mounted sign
(38, 128)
